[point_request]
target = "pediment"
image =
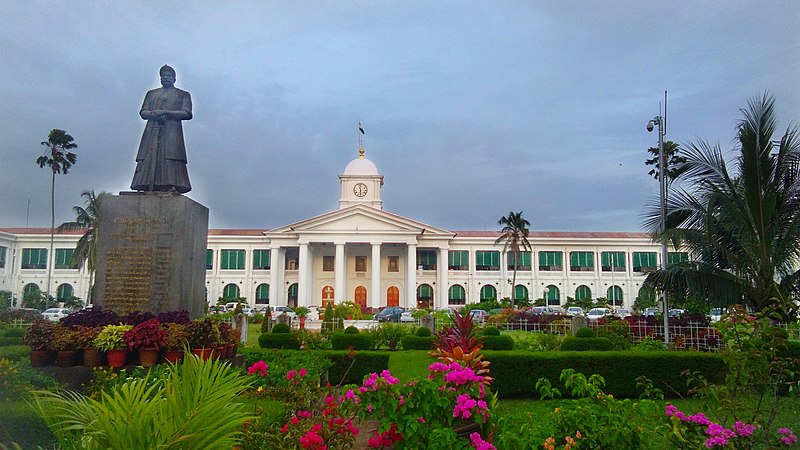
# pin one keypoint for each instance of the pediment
(359, 219)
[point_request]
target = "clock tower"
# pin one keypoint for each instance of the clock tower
(361, 183)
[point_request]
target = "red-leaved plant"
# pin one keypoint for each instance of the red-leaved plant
(147, 334)
(457, 343)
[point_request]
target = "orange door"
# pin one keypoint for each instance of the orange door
(327, 296)
(393, 296)
(361, 296)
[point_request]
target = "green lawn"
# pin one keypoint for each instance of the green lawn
(19, 423)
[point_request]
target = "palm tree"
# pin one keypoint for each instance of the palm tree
(86, 219)
(514, 237)
(59, 159)
(740, 221)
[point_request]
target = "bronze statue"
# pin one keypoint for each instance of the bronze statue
(161, 160)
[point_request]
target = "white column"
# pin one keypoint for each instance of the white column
(504, 277)
(274, 269)
(339, 274)
(440, 298)
(375, 295)
(302, 276)
(411, 276)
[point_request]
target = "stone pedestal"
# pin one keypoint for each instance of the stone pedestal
(151, 254)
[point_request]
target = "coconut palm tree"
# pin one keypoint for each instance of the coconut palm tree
(740, 220)
(58, 157)
(515, 238)
(86, 219)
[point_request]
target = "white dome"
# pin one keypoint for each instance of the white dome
(361, 166)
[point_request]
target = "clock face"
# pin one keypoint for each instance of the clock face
(360, 189)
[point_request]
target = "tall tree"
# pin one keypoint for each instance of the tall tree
(675, 161)
(515, 238)
(740, 221)
(58, 157)
(86, 219)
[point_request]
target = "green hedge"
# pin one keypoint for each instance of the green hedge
(501, 342)
(364, 363)
(7, 340)
(414, 342)
(278, 340)
(516, 372)
(583, 344)
(343, 341)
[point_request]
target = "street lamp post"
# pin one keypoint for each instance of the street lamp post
(662, 193)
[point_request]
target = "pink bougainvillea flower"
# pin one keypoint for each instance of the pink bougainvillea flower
(302, 372)
(259, 367)
(478, 442)
(291, 374)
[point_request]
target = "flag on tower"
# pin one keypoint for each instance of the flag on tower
(360, 127)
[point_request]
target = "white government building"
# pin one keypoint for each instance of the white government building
(362, 253)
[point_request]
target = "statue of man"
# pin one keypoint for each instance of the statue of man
(161, 160)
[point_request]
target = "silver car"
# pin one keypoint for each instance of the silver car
(56, 314)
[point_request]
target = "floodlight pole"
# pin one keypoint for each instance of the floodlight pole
(662, 192)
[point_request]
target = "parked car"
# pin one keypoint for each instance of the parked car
(217, 309)
(247, 311)
(575, 311)
(596, 313)
(541, 310)
(56, 314)
(447, 310)
(716, 314)
(622, 313)
(651, 312)
(278, 310)
(407, 316)
(389, 314)
(478, 315)
(676, 312)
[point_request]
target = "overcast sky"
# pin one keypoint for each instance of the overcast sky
(471, 109)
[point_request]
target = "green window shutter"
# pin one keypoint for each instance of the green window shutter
(479, 258)
(676, 257)
(456, 292)
(488, 292)
(458, 258)
(583, 293)
(424, 291)
(495, 259)
(209, 259)
(240, 259)
(262, 294)
(2, 257)
(520, 292)
(261, 260)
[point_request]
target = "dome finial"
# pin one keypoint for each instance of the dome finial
(361, 152)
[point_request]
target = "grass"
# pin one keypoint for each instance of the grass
(408, 364)
(19, 423)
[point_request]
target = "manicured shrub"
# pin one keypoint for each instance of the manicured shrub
(278, 340)
(491, 331)
(281, 328)
(351, 330)
(347, 368)
(585, 332)
(499, 342)
(14, 332)
(619, 368)
(414, 342)
(576, 344)
(343, 341)
(423, 331)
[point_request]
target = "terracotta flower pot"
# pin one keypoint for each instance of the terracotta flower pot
(203, 353)
(65, 358)
(116, 358)
(42, 358)
(148, 357)
(173, 356)
(302, 323)
(92, 357)
(220, 351)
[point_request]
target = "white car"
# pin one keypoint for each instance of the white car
(622, 313)
(596, 313)
(406, 316)
(278, 310)
(56, 314)
(575, 311)
(716, 314)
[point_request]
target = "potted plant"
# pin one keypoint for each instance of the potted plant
(111, 339)
(203, 337)
(65, 345)
(232, 338)
(177, 341)
(148, 338)
(84, 338)
(39, 337)
(302, 313)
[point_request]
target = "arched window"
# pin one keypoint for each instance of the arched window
(614, 295)
(292, 295)
(520, 292)
(583, 293)
(488, 292)
(424, 296)
(456, 295)
(30, 287)
(230, 291)
(64, 292)
(553, 295)
(647, 294)
(262, 294)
